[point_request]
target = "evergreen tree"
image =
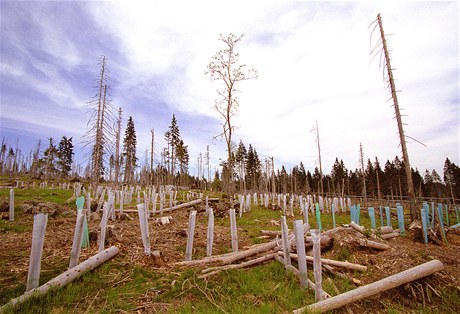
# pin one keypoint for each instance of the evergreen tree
(253, 168)
(379, 177)
(183, 159)
(216, 182)
(65, 156)
(301, 178)
(371, 184)
(240, 163)
(129, 151)
(174, 142)
(451, 174)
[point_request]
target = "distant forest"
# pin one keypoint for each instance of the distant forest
(55, 162)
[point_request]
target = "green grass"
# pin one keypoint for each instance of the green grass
(14, 227)
(118, 286)
(40, 195)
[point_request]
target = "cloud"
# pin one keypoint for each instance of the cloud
(313, 61)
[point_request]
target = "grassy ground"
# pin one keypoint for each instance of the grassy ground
(120, 286)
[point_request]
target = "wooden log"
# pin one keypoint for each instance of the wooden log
(185, 205)
(341, 275)
(229, 258)
(374, 288)
(361, 229)
(331, 262)
(64, 278)
(385, 229)
(387, 236)
(215, 270)
(373, 244)
(333, 231)
(270, 233)
(357, 227)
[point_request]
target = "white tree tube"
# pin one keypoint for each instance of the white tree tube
(191, 233)
(233, 230)
(38, 239)
(316, 238)
(300, 244)
(210, 237)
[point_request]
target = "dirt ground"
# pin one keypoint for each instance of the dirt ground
(170, 241)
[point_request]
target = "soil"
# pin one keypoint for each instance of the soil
(170, 241)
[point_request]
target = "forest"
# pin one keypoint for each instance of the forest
(251, 173)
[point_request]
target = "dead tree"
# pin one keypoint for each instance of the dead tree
(316, 130)
(117, 148)
(224, 67)
(361, 161)
(100, 132)
(151, 157)
(390, 84)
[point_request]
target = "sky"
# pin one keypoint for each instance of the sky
(313, 60)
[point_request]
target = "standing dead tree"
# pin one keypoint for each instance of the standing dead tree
(151, 157)
(224, 67)
(100, 131)
(315, 129)
(390, 84)
(117, 148)
(361, 163)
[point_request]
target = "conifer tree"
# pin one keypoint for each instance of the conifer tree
(65, 156)
(129, 151)
(183, 159)
(240, 163)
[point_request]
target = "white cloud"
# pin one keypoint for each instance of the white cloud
(313, 61)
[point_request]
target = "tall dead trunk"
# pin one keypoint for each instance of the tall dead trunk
(410, 184)
(117, 149)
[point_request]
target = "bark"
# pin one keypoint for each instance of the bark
(215, 270)
(230, 257)
(374, 288)
(331, 262)
(373, 244)
(64, 278)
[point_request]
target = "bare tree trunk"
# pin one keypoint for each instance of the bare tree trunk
(117, 149)
(151, 157)
(410, 184)
(361, 159)
(374, 288)
(319, 159)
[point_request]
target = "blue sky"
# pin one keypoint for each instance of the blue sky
(313, 62)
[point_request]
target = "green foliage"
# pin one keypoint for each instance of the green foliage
(65, 156)
(129, 150)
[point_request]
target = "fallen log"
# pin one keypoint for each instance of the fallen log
(385, 229)
(184, 205)
(387, 236)
(341, 275)
(373, 244)
(331, 262)
(64, 278)
(326, 243)
(229, 258)
(374, 288)
(361, 229)
(270, 233)
(357, 227)
(215, 270)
